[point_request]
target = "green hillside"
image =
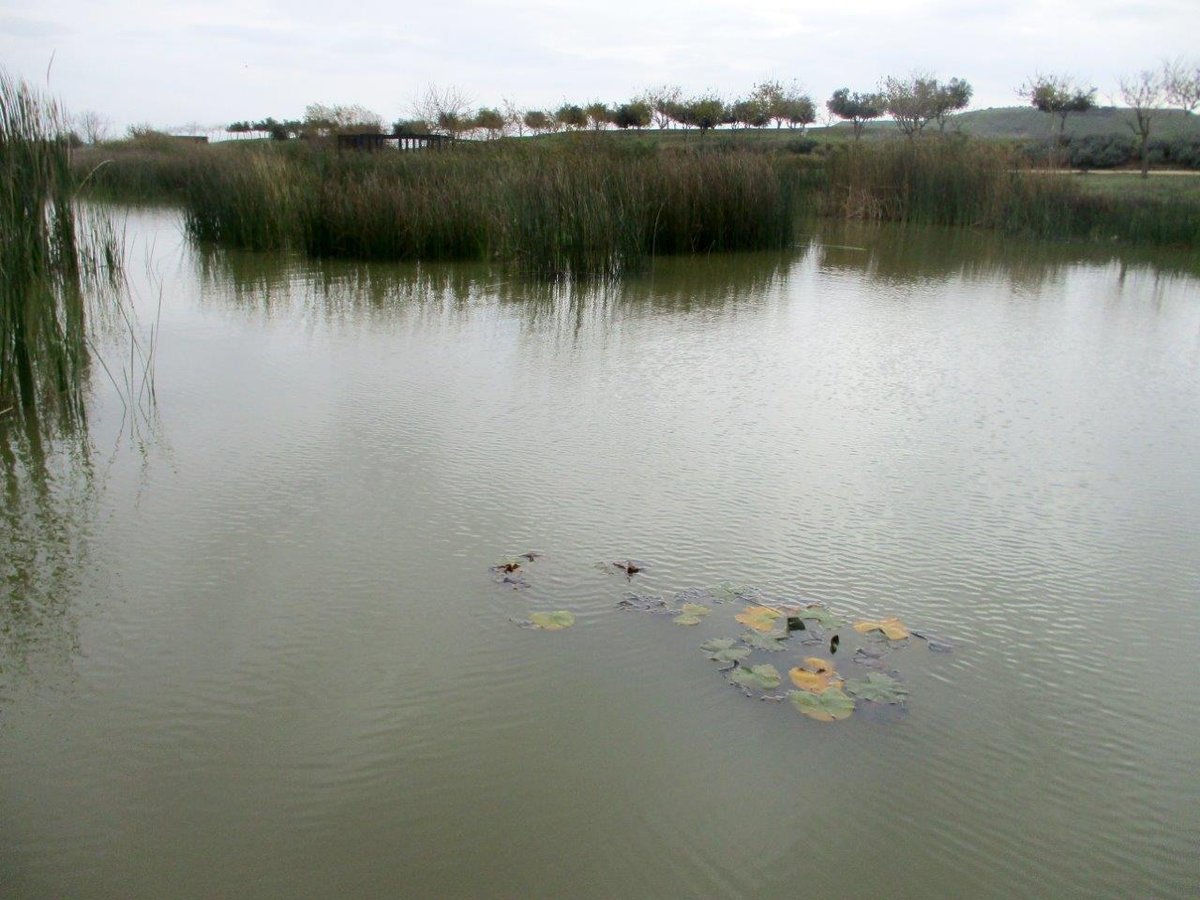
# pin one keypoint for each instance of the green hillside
(1026, 122)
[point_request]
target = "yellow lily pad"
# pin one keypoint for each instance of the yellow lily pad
(893, 629)
(760, 618)
(817, 676)
(819, 666)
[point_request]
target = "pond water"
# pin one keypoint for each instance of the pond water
(251, 645)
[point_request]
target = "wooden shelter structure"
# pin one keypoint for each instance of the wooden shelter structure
(375, 141)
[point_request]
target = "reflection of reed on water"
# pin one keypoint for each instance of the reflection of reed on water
(61, 292)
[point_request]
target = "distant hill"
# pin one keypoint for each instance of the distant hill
(1026, 122)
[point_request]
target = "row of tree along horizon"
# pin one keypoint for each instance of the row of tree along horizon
(912, 103)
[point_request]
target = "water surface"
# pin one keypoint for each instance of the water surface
(251, 646)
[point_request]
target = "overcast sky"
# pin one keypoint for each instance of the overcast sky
(170, 64)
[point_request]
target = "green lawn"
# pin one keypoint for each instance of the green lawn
(1131, 184)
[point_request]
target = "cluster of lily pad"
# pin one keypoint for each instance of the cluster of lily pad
(821, 692)
(816, 688)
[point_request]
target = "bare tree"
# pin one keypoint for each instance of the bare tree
(1143, 93)
(514, 118)
(93, 126)
(446, 109)
(664, 102)
(1182, 83)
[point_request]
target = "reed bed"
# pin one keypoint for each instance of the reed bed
(42, 349)
(973, 184)
(581, 211)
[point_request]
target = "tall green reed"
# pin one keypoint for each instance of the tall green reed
(53, 260)
(974, 184)
(562, 211)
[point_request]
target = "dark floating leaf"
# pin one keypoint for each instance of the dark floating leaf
(515, 581)
(727, 591)
(795, 623)
(645, 603)
(506, 566)
(934, 642)
(628, 566)
(878, 688)
(813, 634)
(757, 678)
(871, 657)
(694, 595)
(833, 644)
(770, 643)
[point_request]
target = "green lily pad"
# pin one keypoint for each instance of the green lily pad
(691, 614)
(820, 615)
(878, 688)
(760, 678)
(552, 621)
(771, 643)
(827, 706)
(725, 650)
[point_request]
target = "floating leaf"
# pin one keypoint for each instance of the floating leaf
(817, 675)
(762, 678)
(820, 666)
(878, 688)
(936, 643)
(693, 595)
(692, 613)
(760, 618)
(724, 650)
(506, 566)
(827, 706)
(728, 590)
(817, 682)
(871, 657)
(771, 643)
(820, 615)
(552, 621)
(644, 603)
(893, 629)
(516, 581)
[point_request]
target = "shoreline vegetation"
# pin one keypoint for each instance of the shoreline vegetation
(583, 205)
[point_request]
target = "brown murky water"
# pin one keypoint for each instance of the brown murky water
(251, 647)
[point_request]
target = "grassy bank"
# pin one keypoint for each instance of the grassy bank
(598, 204)
(979, 185)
